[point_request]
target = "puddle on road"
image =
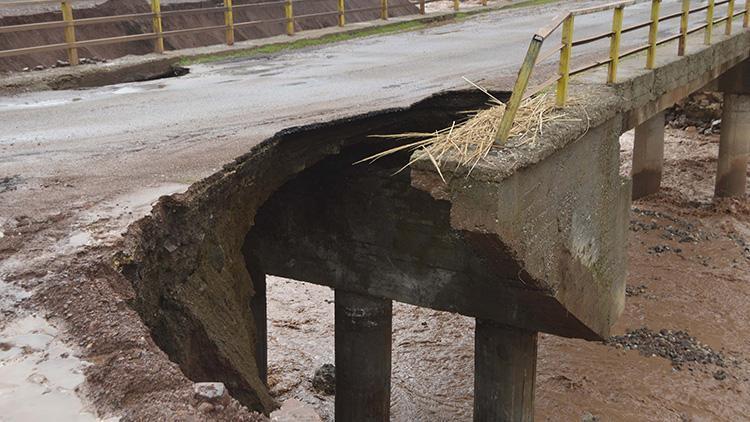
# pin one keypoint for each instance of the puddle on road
(39, 374)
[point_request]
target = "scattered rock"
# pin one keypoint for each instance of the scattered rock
(588, 417)
(26, 69)
(293, 410)
(324, 380)
(39, 67)
(677, 346)
(62, 63)
(206, 407)
(212, 392)
(720, 375)
(632, 291)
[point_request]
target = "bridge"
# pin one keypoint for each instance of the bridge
(530, 239)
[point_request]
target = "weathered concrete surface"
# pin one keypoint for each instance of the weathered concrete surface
(648, 156)
(558, 204)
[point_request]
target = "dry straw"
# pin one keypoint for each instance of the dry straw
(468, 142)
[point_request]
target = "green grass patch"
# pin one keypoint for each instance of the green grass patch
(345, 36)
(309, 42)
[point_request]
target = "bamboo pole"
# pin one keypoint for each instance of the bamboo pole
(159, 41)
(684, 19)
(653, 33)
(564, 70)
(70, 32)
(229, 22)
(614, 46)
(522, 81)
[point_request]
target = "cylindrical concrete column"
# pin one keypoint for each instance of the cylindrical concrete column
(734, 146)
(363, 358)
(504, 373)
(648, 156)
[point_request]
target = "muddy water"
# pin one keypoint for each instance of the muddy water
(704, 289)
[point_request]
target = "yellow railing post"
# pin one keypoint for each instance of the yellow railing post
(156, 10)
(682, 42)
(709, 22)
(289, 15)
(653, 33)
(229, 22)
(342, 17)
(746, 18)
(421, 7)
(456, 5)
(484, 2)
(522, 81)
(70, 32)
(614, 45)
(730, 17)
(384, 9)
(564, 70)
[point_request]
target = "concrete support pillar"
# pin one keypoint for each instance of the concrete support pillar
(504, 373)
(363, 358)
(648, 156)
(734, 146)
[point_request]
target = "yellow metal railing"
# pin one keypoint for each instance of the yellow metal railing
(566, 22)
(158, 34)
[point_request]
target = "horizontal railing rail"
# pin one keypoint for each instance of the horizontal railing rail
(566, 22)
(69, 23)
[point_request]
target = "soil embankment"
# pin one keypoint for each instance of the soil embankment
(171, 22)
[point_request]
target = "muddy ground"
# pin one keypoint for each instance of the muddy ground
(689, 260)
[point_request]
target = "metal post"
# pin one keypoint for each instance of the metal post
(730, 17)
(614, 46)
(229, 22)
(363, 358)
(484, 2)
(384, 9)
(504, 373)
(156, 10)
(342, 17)
(289, 14)
(746, 18)
(522, 81)
(709, 22)
(70, 32)
(682, 43)
(421, 7)
(653, 34)
(456, 5)
(564, 71)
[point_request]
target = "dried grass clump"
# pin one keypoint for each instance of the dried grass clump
(471, 140)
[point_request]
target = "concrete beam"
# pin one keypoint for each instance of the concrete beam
(504, 373)
(736, 80)
(734, 146)
(648, 156)
(363, 358)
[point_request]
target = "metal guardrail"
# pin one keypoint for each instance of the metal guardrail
(615, 35)
(69, 23)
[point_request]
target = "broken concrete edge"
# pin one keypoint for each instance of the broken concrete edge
(480, 198)
(134, 68)
(186, 265)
